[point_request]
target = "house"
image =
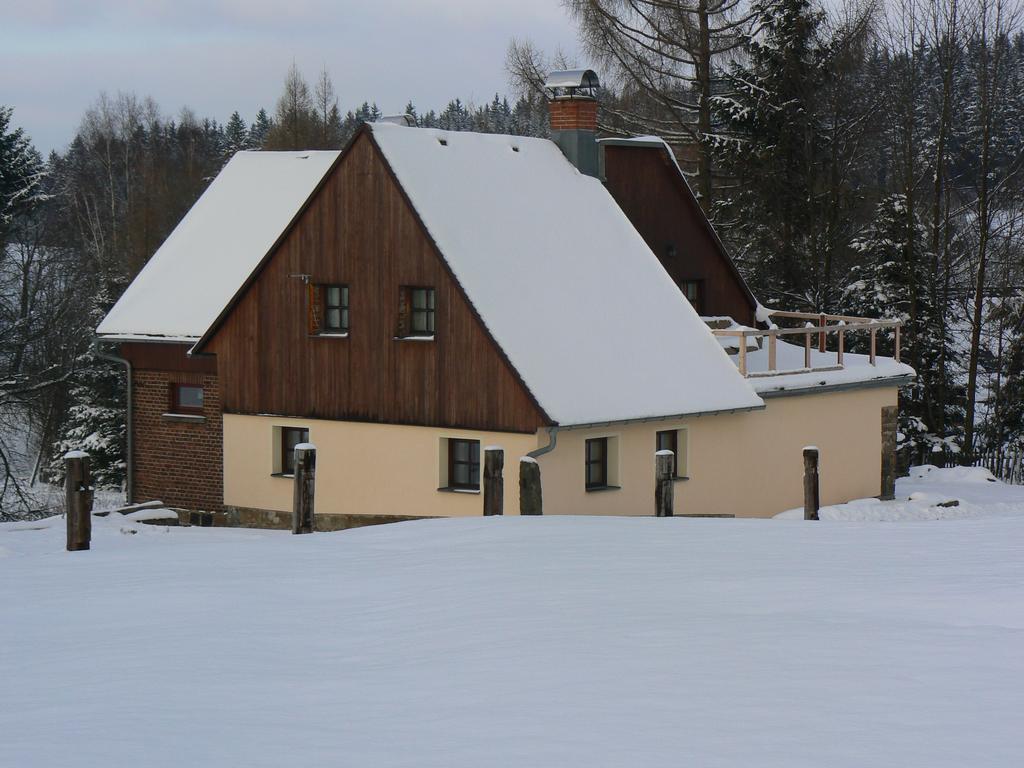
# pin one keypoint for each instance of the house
(423, 294)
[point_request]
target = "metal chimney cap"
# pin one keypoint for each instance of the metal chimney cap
(573, 83)
(405, 120)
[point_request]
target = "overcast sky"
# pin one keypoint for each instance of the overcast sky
(220, 55)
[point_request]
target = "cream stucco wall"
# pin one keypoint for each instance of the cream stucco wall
(744, 464)
(373, 469)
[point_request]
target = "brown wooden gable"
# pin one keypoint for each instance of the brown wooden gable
(647, 186)
(360, 230)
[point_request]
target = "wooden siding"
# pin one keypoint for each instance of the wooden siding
(359, 230)
(648, 189)
(153, 356)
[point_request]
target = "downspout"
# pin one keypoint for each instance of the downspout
(129, 482)
(552, 442)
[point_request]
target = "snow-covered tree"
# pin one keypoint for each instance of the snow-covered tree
(771, 144)
(96, 420)
(886, 284)
(260, 129)
(21, 173)
(236, 136)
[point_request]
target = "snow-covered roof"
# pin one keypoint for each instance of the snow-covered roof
(856, 370)
(568, 288)
(210, 254)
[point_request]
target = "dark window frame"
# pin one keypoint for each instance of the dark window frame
(174, 399)
(674, 448)
(698, 302)
(288, 455)
(452, 462)
(342, 307)
(601, 462)
(408, 312)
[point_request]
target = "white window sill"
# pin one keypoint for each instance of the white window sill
(192, 418)
(286, 476)
(330, 335)
(415, 338)
(459, 490)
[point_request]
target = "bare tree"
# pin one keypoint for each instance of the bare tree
(667, 51)
(992, 23)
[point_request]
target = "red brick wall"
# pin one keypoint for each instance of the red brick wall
(177, 462)
(573, 114)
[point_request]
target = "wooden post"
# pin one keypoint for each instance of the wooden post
(78, 493)
(839, 350)
(305, 488)
(811, 496)
(897, 344)
(821, 334)
(807, 350)
(743, 353)
(494, 481)
(874, 345)
(773, 337)
(531, 500)
(664, 474)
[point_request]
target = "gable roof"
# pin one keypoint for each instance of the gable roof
(569, 290)
(191, 278)
(658, 143)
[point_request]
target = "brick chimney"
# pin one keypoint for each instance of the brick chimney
(572, 105)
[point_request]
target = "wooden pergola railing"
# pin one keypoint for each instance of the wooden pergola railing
(816, 324)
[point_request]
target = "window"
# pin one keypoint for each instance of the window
(335, 308)
(597, 463)
(187, 399)
(674, 440)
(416, 312)
(328, 308)
(693, 290)
(464, 464)
(290, 437)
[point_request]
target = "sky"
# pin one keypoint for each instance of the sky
(216, 56)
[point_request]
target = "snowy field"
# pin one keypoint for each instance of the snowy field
(522, 642)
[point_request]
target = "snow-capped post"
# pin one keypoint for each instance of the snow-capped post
(78, 493)
(531, 501)
(494, 481)
(305, 486)
(664, 472)
(811, 497)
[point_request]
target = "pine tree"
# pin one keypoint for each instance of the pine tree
(774, 151)
(21, 173)
(884, 284)
(260, 129)
(236, 136)
(95, 421)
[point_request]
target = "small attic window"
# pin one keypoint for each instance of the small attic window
(443, 142)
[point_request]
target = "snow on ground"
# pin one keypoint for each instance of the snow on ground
(553, 641)
(932, 493)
